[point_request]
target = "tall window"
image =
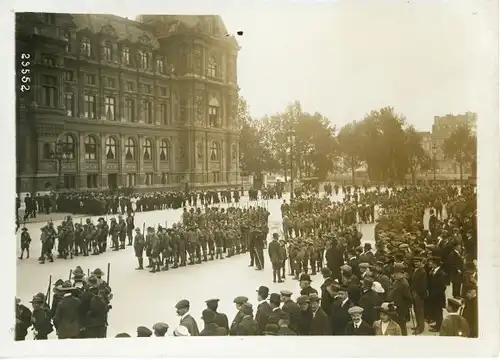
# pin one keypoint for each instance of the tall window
(143, 59)
(147, 114)
(110, 108)
(89, 106)
(92, 181)
(130, 86)
(212, 67)
(49, 91)
(126, 55)
(215, 151)
(147, 149)
(197, 61)
(146, 88)
(68, 76)
(50, 61)
(165, 150)
(160, 66)
(129, 109)
(86, 47)
(107, 51)
(90, 148)
(69, 104)
(164, 178)
(110, 82)
(110, 148)
(213, 116)
(164, 113)
(68, 145)
(130, 149)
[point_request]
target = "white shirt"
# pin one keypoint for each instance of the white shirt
(435, 271)
(384, 325)
(344, 301)
(356, 324)
(276, 308)
(262, 301)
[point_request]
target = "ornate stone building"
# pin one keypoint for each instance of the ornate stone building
(109, 102)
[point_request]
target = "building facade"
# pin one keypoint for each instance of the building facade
(442, 129)
(104, 102)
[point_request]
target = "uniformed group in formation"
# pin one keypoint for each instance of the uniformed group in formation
(203, 235)
(79, 308)
(75, 239)
(409, 266)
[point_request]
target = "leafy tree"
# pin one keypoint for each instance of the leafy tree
(350, 147)
(417, 158)
(461, 147)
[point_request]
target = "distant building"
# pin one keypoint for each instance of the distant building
(442, 129)
(116, 102)
(426, 138)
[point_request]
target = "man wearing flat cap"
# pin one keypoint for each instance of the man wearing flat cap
(220, 318)
(247, 326)
(186, 319)
(291, 308)
(320, 324)
(264, 310)
(238, 301)
(143, 332)
(454, 325)
(400, 294)
(160, 329)
(211, 328)
(357, 326)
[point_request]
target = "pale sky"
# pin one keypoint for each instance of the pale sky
(344, 58)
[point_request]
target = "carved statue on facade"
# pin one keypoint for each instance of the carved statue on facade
(199, 109)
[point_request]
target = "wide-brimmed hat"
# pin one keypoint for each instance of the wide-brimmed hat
(38, 299)
(387, 308)
(98, 272)
(65, 286)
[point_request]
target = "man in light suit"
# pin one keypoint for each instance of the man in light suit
(186, 319)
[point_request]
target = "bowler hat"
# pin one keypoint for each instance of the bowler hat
(275, 298)
(263, 290)
(182, 304)
(305, 278)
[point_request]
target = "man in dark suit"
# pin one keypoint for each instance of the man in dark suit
(67, 319)
(437, 289)
(238, 301)
(186, 319)
(291, 308)
(432, 223)
(470, 311)
(401, 296)
(455, 266)
(353, 262)
(305, 315)
(339, 316)
(320, 325)
(335, 259)
(247, 326)
(211, 328)
(419, 293)
(357, 326)
(264, 310)
(220, 318)
(276, 257)
(326, 297)
(274, 302)
(367, 254)
(368, 301)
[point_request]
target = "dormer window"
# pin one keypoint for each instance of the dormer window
(126, 55)
(107, 51)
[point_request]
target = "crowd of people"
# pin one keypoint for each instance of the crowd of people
(368, 289)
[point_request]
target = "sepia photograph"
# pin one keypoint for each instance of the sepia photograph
(281, 169)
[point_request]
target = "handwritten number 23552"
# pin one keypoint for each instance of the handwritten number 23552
(25, 79)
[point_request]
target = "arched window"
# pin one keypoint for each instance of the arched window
(90, 148)
(147, 149)
(68, 144)
(234, 152)
(215, 151)
(165, 150)
(110, 148)
(130, 149)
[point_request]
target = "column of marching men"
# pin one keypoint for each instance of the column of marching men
(365, 291)
(112, 203)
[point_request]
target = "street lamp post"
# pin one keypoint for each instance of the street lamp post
(291, 141)
(434, 150)
(59, 154)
